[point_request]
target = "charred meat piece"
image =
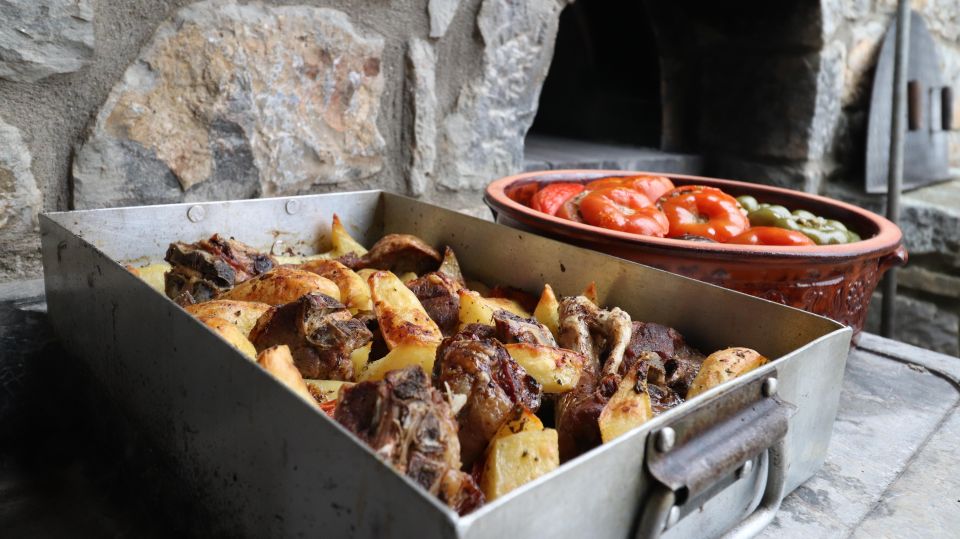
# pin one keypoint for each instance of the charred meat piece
(493, 383)
(409, 424)
(681, 362)
(208, 267)
(399, 253)
(512, 328)
(320, 332)
(438, 295)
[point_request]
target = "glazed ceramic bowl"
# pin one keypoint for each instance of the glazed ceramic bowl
(836, 281)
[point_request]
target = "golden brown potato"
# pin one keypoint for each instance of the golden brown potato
(282, 285)
(360, 356)
(523, 420)
(343, 242)
(152, 274)
(232, 335)
(548, 311)
(401, 317)
(478, 287)
(325, 390)
(475, 309)
(243, 314)
(354, 291)
(557, 369)
(517, 459)
(627, 409)
(277, 361)
(407, 277)
(404, 355)
(724, 365)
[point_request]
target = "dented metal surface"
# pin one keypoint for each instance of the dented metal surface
(274, 467)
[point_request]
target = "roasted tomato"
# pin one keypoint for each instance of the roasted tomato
(570, 209)
(770, 235)
(623, 209)
(703, 211)
(523, 193)
(550, 198)
(652, 186)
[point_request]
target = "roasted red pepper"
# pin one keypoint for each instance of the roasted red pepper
(549, 199)
(623, 209)
(652, 186)
(770, 235)
(703, 211)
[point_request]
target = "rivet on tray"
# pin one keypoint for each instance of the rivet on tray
(744, 470)
(196, 213)
(672, 517)
(665, 439)
(292, 206)
(770, 387)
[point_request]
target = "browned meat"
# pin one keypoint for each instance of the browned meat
(400, 253)
(320, 332)
(493, 383)
(409, 424)
(681, 362)
(208, 267)
(438, 295)
(526, 300)
(512, 328)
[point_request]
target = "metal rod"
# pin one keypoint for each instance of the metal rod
(895, 173)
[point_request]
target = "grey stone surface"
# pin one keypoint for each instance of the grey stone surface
(543, 152)
(482, 138)
(39, 38)
(20, 202)
(232, 101)
(422, 86)
(441, 14)
(922, 323)
(933, 282)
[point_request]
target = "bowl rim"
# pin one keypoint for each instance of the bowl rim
(887, 239)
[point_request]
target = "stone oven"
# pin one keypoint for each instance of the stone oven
(106, 103)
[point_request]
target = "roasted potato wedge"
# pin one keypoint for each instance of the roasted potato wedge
(517, 459)
(360, 357)
(523, 420)
(277, 361)
(724, 365)
(325, 390)
(557, 369)
(408, 353)
(407, 277)
(343, 242)
(232, 334)
(627, 409)
(282, 285)
(401, 317)
(548, 310)
(354, 291)
(478, 287)
(153, 275)
(475, 309)
(243, 314)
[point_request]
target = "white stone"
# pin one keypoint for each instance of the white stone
(441, 14)
(20, 203)
(421, 76)
(231, 101)
(39, 38)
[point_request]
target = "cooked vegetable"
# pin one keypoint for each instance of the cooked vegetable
(557, 370)
(360, 357)
(822, 231)
(551, 197)
(343, 242)
(475, 309)
(523, 421)
(408, 353)
(623, 209)
(517, 459)
(769, 235)
(627, 409)
(653, 187)
(703, 211)
(354, 291)
(232, 335)
(401, 317)
(325, 390)
(282, 285)
(152, 274)
(278, 362)
(548, 310)
(724, 365)
(243, 314)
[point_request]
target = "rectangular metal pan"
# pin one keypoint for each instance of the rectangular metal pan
(266, 465)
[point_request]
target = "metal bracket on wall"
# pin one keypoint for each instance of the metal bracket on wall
(929, 113)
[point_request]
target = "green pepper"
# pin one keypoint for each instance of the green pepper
(822, 231)
(748, 202)
(769, 215)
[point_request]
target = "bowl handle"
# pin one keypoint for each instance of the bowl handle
(895, 259)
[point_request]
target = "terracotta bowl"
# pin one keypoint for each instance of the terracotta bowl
(836, 281)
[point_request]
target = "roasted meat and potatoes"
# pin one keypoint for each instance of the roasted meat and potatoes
(469, 390)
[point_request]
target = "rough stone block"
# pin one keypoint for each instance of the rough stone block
(441, 14)
(930, 281)
(39, 38)
(921, 323)
(421, 84)
(20, 203)
(233, 101)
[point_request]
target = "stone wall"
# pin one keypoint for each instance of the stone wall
(107, 103)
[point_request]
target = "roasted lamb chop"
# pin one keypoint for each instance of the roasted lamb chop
(512, 328)
(399, 253)
(679, 362)
(320, 332)
(206, 268)
(478, 367)
(410, 425)
(437, 292)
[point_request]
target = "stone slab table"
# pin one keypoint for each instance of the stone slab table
(893, 468)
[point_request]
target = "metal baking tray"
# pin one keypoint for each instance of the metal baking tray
(266, 465)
